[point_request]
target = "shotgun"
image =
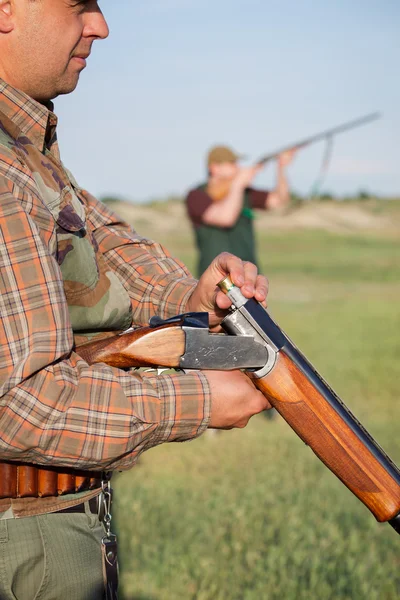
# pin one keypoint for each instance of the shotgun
(218, 190)
(254, 342)
(328, 133)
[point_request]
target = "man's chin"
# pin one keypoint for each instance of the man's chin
(67, 87)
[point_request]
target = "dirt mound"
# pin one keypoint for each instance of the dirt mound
(340, 217)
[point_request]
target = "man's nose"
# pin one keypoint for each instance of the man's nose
(96, 25)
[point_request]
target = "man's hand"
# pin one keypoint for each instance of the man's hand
(280, 196)
(287, 157)
(207, 297)
(246, 175)
(234, 399)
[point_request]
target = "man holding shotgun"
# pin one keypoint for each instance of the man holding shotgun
(70, 271)
(221, 210)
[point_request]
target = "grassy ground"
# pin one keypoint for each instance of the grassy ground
(253, 514)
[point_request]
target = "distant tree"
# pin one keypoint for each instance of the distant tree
(296, 199)
(364, 195)
(325, 197)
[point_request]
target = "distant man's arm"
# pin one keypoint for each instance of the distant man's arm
(225, 212)
(280, 196)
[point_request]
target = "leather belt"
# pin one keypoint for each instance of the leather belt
(80, 508)
(20, 480)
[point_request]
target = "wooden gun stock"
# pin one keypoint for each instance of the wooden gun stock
(331, 438)
(142, 347)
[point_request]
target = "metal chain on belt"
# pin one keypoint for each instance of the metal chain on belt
(109, 541)
(105, 506)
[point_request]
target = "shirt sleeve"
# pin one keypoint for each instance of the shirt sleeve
(55, 409)
(258, 198)
(197, 202)
(157, 283)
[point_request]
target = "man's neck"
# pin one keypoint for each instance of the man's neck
(20, 88)
(46, 103)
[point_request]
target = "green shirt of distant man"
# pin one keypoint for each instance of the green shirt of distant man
(226, 224)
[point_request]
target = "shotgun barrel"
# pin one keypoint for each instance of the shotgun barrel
(320, 136)
(218, 190)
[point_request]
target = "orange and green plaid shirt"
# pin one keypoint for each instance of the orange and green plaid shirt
(54, 408)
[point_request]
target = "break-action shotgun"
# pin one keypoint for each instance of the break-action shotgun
(255, 343)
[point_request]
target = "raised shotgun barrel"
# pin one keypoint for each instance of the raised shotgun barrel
(313, 410)
(218, 190)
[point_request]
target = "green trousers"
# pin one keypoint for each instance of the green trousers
(51, 557)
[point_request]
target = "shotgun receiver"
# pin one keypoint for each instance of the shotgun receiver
(280, 371)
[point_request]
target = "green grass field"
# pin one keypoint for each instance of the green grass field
(253, 514)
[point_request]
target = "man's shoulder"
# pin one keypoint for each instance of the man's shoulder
(198, 189)
(197, 202)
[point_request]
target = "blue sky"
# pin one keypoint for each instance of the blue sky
(177, 76)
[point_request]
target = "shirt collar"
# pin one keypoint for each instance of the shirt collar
(30, 118)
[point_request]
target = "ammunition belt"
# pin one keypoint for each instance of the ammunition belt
(19, 480)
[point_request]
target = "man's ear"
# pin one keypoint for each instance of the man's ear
(6, 16)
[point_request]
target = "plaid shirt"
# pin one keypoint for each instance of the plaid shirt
(54, 408)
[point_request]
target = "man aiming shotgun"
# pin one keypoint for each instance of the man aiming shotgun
(221, 210)
(70, 270)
